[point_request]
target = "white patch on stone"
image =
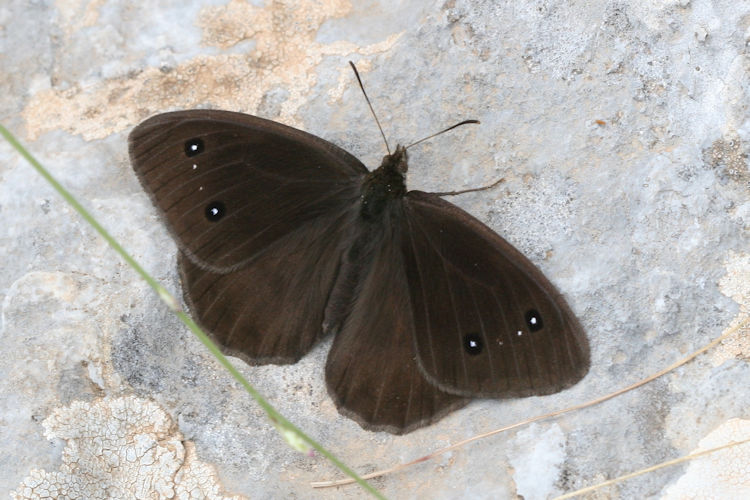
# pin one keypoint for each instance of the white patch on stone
(723, 474)
(124, 447)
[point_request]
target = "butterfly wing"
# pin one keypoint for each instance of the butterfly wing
(372, 372)
(271, 309)
(230, 185)
(487, 323)
(260, 212)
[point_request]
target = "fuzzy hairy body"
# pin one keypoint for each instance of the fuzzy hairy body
(380, 208)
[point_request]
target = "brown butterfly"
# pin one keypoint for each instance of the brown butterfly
(285, 237)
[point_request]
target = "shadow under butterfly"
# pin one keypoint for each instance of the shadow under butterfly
(285, 237)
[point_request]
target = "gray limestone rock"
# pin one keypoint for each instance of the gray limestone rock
(621, 129)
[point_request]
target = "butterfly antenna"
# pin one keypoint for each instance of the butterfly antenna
(442, 132)
(356, 73)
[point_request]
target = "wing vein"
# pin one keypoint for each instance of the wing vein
(424, 294)
(485, 337)
(456, 321)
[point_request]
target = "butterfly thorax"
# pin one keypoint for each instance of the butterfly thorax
(384, 184)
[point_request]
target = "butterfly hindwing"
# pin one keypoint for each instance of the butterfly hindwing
(271, 309)
(372, 372)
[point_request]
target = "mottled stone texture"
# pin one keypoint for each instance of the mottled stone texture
(621, 129)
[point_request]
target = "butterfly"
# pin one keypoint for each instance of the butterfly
(284, 238)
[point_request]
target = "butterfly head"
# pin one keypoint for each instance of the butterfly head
(397, 162)
(384, 184)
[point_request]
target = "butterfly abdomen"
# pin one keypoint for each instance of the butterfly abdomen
(364, 243)
(380, 204)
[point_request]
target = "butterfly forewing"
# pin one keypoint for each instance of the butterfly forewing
(230, 185)
(486, 321)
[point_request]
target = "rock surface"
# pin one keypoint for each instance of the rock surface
(621, 129)
(123, 447)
